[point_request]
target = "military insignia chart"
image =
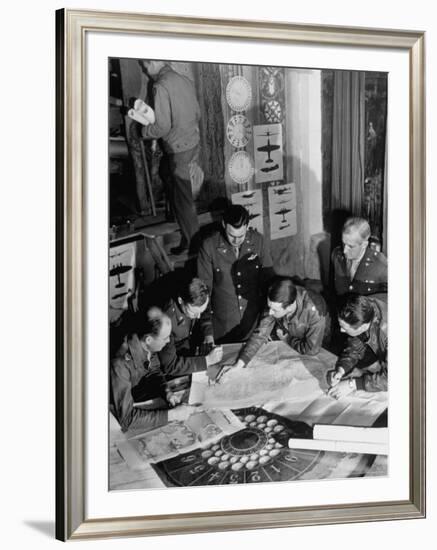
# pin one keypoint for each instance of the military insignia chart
(239, 131)
(240, 167)
(273, 111)
(238, 93)
(257, 453)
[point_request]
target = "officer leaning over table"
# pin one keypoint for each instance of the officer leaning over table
(362, 364)
(297, 316)
(235, 263)
(137, 377)
(191, 347)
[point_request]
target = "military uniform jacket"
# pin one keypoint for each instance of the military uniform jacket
(305, 329)
(370, 277)
(177, 112)
(130, 365)
(350, 359)
(235, 284)
(175, 357)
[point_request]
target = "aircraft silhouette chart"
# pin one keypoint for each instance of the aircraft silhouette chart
(268, 148)
(282, 213)
(284, 191)
(283, 226)
(119, 270)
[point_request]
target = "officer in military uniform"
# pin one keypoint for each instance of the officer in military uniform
(177, 114)
(234, 262)
(362, 364)
(358, 267)
(191, 331)
(137, 376)
(297, 316)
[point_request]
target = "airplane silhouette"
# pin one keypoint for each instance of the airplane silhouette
(268, 148)
(252, 216)
(270, 168)
(284, 202)
(284, 226)
(116, 255)
(248, 195)
(282, 212)
(117, 271)
(119, 295)
(284, 191)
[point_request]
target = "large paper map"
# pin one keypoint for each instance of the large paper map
(288, 384)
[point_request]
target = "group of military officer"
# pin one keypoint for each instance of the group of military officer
(224, 303)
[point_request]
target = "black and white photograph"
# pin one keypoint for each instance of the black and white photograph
(248, 261)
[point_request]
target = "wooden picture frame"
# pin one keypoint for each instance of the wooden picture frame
(72, 521)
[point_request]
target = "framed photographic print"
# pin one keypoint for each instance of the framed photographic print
(241, 231)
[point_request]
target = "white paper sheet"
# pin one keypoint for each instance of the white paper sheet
(290, 385)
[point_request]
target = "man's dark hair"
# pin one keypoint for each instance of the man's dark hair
(146, 323)
(193, 292)
(236, 215)
(282, 291)
(356, 310)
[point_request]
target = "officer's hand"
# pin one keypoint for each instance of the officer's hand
(173, 399)
(214, 356)
(215, 373)
(180, 413)
(334, 376)
(280, 334)
(206, 346)
(343, 388)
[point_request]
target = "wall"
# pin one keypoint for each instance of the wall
(298, 93)
(305, 163)
(27, 215)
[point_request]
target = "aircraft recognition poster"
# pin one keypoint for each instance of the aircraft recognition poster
(268, 152)
(253, 202)
(282, 211)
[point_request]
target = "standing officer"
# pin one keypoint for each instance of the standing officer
(177, 115)
(358, 268)
(234, 262)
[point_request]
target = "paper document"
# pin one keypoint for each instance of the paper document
(200, 429)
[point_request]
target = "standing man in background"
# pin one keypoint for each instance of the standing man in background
(177, 115)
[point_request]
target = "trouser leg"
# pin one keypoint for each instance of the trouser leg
(181, 195)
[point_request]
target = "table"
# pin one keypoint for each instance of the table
(305, 401)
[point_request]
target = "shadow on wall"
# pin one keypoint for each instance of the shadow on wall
(297, 255)
(334, 222)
